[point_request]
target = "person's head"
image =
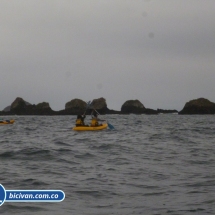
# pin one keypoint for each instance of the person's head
(79, 116)
(95, 114)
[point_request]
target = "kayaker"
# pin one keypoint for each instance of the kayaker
(95, 119)
(80, 120)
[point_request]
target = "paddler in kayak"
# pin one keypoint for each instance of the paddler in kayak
(80, 120)
(95, 119)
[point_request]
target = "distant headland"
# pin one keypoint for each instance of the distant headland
(77, 106)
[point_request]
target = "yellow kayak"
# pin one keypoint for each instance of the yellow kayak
(5, 122)
(90, 128)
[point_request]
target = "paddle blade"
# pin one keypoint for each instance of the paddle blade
(110, 126)
(88, 104)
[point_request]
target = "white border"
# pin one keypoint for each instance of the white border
(2, 202)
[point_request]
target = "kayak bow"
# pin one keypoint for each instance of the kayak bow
(5, 122)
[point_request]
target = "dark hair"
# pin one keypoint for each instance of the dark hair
(79, 116)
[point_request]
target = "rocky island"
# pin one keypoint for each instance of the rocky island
(198, 106)
(77, 106)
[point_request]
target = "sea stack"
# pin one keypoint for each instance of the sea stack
(198, 106)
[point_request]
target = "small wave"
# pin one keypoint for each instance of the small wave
(7, 154)
(85, 155)
(154, 194)
(103, 146)
(20, 209)
(90, 193)
(32, 151)
(33, 182)
(95, 193)
(118, 161)
(192, 210)
(35, 154)
(61, 143)
(212, 201)
(62, 150)
(61, 160)
(150, 187)
(209, 183)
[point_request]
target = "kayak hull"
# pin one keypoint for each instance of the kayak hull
(90, 128)
(6, 122)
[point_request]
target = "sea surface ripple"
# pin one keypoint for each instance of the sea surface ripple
(150, 164)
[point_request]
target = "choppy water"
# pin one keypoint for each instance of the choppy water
(162, 164)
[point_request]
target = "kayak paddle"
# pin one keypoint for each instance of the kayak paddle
(88, 105)
(109, 125)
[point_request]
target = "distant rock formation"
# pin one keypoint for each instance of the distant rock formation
(75, 106)
(133, 106)
(199, 106)
(136, 107)
(150, 111)
(20, 107)
(100, 105)
(43, 108)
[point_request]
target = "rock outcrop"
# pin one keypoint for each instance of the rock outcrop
(199, 106)
(150, 111)
(19, 106)
(100, 105)
(43, 108)
(133, 106)
(75, 107)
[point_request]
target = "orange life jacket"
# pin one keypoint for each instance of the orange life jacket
(94, 122)
(79, 122)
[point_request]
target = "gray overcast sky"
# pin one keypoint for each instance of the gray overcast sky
(161, 52)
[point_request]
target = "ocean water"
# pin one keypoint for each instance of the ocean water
(150, 164)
